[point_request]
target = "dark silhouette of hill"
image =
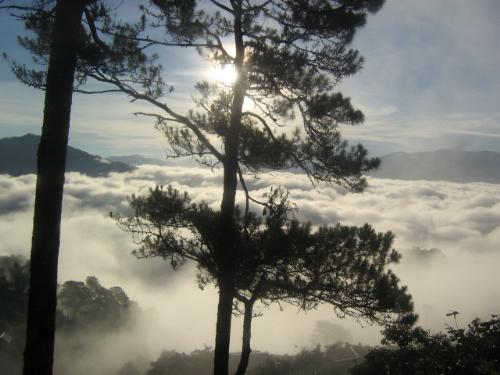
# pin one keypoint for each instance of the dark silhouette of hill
(444, 165)
(18, 157)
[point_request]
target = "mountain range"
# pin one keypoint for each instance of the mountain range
(442, 165)
(18, 156)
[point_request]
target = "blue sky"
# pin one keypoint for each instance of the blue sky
(431, 80)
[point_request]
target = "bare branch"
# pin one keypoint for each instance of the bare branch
(158, 117)
(93, 31)
(222, 6)
(179, 118)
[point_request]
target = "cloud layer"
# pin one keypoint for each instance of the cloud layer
(462, 220)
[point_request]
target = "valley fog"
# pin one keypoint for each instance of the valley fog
(461, 221)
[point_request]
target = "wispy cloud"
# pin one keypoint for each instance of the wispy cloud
(430, 60)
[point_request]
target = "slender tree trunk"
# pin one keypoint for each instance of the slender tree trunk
(223, 330)
(39, 350)
(247, 335)
(227, 251)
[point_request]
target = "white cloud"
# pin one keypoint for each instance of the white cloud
(462, 220)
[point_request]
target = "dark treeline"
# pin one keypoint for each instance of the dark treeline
(86, 313)
(411, 350)
(336, 358)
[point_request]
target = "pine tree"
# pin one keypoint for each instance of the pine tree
(289, 57)
(280, 259)
(51, 159)
(67, 47)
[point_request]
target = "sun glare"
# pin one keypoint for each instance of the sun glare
(224, 74)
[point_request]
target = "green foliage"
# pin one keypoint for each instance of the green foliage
(413, 350)
(313, 361)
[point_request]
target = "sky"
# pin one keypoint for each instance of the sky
(431, 80)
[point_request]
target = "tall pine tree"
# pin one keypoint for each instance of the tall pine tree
(67, 47)
(289, 56)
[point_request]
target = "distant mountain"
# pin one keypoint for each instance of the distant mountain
(445, 165)
(18, 157)
(138, 160)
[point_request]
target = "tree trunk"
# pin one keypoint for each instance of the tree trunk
(247, 335)
(223, 330)
(39, 350)
(227, 251)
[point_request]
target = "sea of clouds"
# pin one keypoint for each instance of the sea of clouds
(461, 220)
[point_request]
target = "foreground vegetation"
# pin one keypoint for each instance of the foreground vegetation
(412, 350)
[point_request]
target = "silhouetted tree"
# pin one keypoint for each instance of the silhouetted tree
(65, 46)
(280, 260)
(413, 350)
(64, 41)
(289, 57)
(345, 267)
(89, 305)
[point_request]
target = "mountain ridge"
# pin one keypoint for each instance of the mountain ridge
(18, 157)
(441, 165)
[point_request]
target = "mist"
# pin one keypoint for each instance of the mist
(461, 220)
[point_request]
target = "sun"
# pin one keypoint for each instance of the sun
(225, 74)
